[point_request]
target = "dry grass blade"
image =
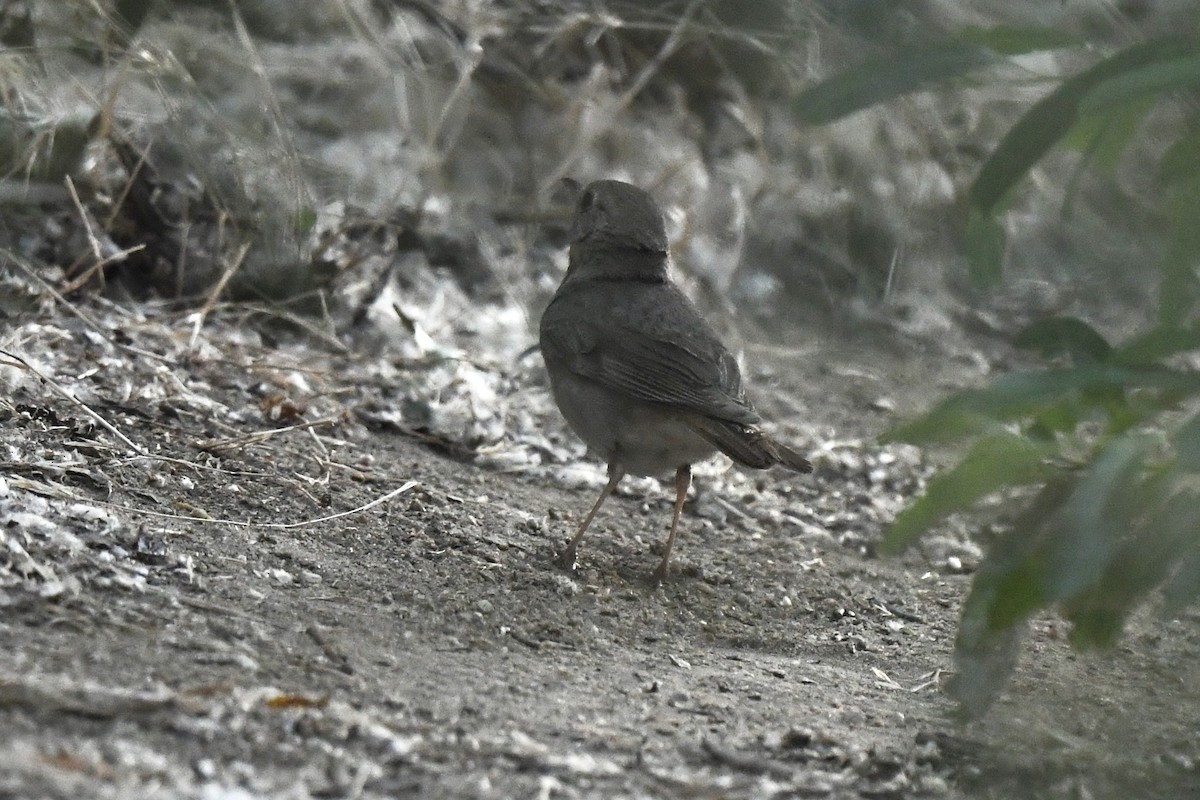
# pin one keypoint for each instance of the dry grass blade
(619, 104)
(32, 274)
(98, 248)
(406, 486)
(222, 446)
(127, 187)
(230, 270)
(65, 494)
(99, 266)
(300, 321)
(283, 131)
(100, 420)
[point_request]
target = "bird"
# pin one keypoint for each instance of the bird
(636, 370)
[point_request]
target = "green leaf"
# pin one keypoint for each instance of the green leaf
(1181, 162)
(1093, 518)
(1179, 291)
(1022, 394)
(1096, 625)
(1150, 347)
(1187, 445)
(1103, 138)
(983, 661)
(919, 67)
(68, 143)
(306, 220)
(1140, 563)
(1073, 337)
(1069, 336)
(1049, 120)
(951, 419)
(887, 77)
(994, 462)
(1010, 40)
(44, 150)
(985, 249)
(1063, 416)
(1136, 85)
(1007, 586)
(1019, 592)
(1183, 589)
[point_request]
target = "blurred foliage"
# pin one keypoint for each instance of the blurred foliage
(44, 149)
(1102, 445)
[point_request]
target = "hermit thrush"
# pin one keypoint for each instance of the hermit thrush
(635, 369)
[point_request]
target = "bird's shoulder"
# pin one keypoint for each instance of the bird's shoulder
(652, 311)
(647, 340)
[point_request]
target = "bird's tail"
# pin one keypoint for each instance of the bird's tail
(749, 445)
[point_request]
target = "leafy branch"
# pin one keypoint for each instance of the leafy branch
(1103, 443)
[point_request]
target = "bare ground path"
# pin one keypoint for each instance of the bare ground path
(165, 634)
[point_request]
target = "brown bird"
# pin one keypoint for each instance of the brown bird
(635, 369)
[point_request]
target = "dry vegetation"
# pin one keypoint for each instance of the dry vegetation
(281, 481)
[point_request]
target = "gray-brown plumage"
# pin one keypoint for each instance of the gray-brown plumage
(635, 369)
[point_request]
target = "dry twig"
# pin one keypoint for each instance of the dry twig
(219, 287)
(31, 273)
(613, 110)
(108, 426)
(406, 486)
(218, 446)
(102, 260)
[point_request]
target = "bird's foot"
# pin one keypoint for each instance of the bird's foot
(565, 559)
(656, 579)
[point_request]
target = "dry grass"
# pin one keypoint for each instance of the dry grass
(221, 150)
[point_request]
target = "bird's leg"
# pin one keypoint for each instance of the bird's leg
(683, 479)
(567, 557)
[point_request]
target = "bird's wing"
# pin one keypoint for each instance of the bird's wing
(648, 342)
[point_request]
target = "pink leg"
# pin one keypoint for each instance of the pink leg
(683, 479)
(567, 558)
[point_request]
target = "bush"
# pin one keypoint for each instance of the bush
(1102, 445)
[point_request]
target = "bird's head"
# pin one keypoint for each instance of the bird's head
(618, 232)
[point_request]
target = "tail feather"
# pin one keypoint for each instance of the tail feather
(749, 445)
(789, 457)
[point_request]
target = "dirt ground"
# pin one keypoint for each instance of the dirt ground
(225, 614)
(246, 554)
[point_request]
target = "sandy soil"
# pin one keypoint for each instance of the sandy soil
(197, 621)
(263, 559)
